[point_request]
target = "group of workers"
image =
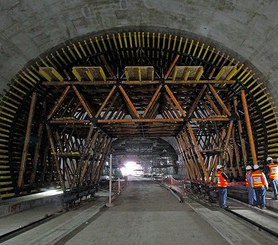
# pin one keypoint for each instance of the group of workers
(256, 183)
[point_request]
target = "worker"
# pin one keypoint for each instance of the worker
(273, 176)
(251, 191)
(222, 184)
(260, 185)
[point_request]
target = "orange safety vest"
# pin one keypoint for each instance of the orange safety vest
(273, 171)
(257, 179)
(246, 180)
(221, 182)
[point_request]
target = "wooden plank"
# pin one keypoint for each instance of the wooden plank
(50, 74)
(224, 72)
(89, 73)
(185, 73)
(139, 73)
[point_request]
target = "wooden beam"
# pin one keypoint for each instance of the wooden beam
(237, 157)
(68, 120)
(83, 102)
(135, 82)
(195, 103)
(249, 128)
(182, 147)
(105, 102)
(59, 102)
(154, 98)
(144, 82)
(108, 68)
(214, 107)
(196, 148)
(211, 119)
(173, 110)
(175, 100)
(86, 162)
(37, 148)
(106, 151)
(171, 67)
(81, 83)
(76, 180)
(20, 181)
(190, 82)
(242, 141)
(141, 120)
(57, 163)
(228, 136)
(131, 107)
(224, 107)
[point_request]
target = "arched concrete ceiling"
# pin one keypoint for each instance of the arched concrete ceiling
(248, 27)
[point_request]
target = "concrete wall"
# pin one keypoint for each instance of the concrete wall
(248, 27)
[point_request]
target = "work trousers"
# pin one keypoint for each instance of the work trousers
(251, 195)
(274, 185)
(260, 195)
(222, 197)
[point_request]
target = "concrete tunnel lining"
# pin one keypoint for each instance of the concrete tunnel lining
(29, 28)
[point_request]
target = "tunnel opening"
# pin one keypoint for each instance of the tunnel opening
(64, 110)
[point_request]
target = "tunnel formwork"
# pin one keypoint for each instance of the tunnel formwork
(63, 110)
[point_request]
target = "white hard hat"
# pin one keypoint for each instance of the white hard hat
(256, 166)
(248, 167)
(219, 166)
(269, 159)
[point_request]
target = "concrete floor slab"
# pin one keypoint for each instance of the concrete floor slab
(144, 213)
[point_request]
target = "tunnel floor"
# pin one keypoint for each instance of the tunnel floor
(144, 213)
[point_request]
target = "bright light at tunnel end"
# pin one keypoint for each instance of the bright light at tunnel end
(130, 168)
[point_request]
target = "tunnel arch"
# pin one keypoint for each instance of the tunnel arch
(113, 52)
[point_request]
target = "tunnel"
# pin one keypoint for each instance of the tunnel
(67, 109)
(115, 116)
